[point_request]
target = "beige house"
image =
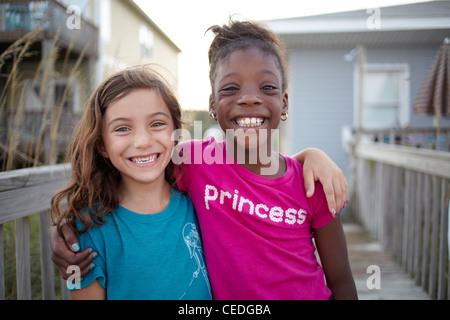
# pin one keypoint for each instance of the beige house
(128, 37)
(67, 49)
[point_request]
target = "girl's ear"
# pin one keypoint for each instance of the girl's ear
(211, 103)
(212, 108)
(285, 105)
(102, 150)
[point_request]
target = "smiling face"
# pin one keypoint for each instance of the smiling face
(137, 136)
(248, 95)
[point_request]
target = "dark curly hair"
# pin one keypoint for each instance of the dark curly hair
(242, 35)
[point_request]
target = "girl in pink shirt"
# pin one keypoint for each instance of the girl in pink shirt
(257, 224)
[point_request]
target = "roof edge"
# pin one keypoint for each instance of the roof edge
(141, 12)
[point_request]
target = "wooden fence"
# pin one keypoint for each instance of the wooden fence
(24, 193)
(424, 138)
(401, 195)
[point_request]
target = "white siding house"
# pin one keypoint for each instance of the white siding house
(397, 46)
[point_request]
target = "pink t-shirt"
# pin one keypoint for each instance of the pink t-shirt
(257, 232)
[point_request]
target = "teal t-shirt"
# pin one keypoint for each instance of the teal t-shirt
(156, 256)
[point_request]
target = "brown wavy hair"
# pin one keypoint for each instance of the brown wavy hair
(243, 35)
(93, 190)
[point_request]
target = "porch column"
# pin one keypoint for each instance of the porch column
(49, 56)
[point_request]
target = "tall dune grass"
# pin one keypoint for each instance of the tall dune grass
(45, 148)
(46, 128)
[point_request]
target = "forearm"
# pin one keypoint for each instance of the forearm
(344, 289)
(318, 166)
(93, 292)
(301, 156)
(332, 249)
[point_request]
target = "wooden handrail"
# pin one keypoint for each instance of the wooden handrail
(421, 160)
(23, 193)
(36, 185)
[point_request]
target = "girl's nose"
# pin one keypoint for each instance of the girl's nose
(249, 98)
(143, 139)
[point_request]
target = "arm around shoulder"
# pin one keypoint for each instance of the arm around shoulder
(65, 251)
(318, 166)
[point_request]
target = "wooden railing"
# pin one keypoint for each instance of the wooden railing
(424, 138)
(401, 195)
(24, 193)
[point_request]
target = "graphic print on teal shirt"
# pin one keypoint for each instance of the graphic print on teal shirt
(192, 239)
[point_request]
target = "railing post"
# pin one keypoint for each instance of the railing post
(426, 234)
(23, 259)
(406, 219)
(419, 221)
(2, 266)
(47, 271)
(443, 239)
(397, 186)
(434, 238)
(65, 291)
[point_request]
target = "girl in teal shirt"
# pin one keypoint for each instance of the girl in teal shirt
(122, 199)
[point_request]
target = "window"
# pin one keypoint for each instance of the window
(385, 96)
(146, 42)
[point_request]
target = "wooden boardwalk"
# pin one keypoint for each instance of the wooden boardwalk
(363, 252)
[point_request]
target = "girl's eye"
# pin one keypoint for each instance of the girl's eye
(230, 89)
(158, 124)
(269, 87)
(122, 129)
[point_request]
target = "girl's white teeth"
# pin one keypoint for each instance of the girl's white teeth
(145, 159)
(249, 122)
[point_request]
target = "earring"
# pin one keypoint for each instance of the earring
(213, 115)
(284, 116)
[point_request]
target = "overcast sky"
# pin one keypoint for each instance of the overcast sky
(185, 22)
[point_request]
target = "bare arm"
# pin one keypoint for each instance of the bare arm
(317, 166)
(93, 292)
(332, 248)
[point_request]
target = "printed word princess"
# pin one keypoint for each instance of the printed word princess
(238, 203)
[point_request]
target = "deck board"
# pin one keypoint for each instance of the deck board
(364, 251)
